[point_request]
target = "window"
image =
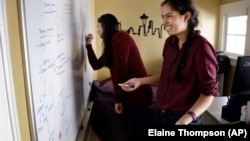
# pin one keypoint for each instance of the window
(236, 37)
(234, 21)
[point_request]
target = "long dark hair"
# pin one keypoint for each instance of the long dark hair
(183, 6)
(110, 26)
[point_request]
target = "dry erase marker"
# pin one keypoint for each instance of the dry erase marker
(127, 85)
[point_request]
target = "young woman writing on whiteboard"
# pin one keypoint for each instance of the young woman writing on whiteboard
(187, 83)
(122, 57)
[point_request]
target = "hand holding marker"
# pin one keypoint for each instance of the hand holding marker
(127, 85)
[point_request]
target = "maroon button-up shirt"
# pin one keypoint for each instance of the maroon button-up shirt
(127, 63)
(199, 74)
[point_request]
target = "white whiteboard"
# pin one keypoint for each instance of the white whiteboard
(53, 46)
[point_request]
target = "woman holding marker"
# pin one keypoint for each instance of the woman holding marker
(122, 57)
(187, 83)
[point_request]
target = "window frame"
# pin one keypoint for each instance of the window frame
(238, 8)
(8, 96)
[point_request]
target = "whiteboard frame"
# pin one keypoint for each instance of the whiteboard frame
(27, 73)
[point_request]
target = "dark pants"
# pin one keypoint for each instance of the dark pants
(136, 122)
(167, 118)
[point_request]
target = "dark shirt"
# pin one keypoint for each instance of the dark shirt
(199, 74)
(127, 63)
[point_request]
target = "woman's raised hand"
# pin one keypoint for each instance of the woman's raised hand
(89, 39)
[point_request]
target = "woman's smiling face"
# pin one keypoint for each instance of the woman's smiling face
(174, 22)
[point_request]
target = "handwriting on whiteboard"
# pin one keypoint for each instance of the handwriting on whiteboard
(54, 31)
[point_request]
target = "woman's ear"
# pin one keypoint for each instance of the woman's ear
(187, 16)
